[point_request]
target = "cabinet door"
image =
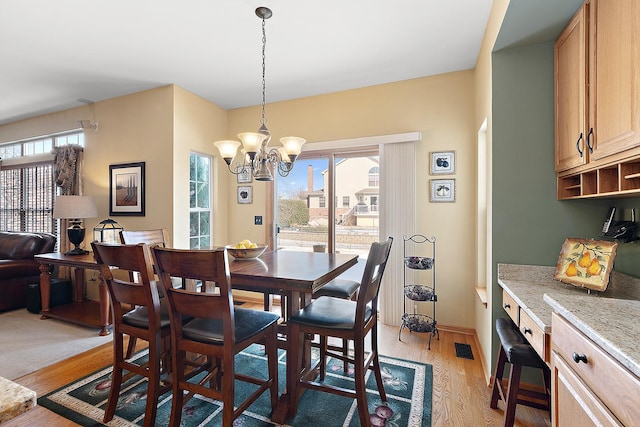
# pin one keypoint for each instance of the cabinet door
(614, 76)
(574, 404)
(570, 62)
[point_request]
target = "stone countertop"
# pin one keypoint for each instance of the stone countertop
(610, 323)
(608, 318)
(15, 399)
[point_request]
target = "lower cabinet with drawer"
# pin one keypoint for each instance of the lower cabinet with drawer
(589, 387)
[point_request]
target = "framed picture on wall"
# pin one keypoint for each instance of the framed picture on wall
(126, 189)
(443, 190)
(243, 175)
(443, 162)
(245, 194)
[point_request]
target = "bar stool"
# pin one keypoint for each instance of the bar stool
(515, 350)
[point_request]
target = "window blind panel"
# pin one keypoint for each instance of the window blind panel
(397, 219)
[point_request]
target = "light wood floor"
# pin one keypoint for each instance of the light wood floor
(460, 393)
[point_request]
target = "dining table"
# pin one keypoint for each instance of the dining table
(295, 276)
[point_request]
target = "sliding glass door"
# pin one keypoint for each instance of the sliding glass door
(329, 203)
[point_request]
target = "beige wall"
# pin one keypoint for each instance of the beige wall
(442, 109)
(482, 320)
(198, 123)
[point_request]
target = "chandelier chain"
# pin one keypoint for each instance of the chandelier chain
(264, 82)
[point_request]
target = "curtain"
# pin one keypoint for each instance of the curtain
(67, 173)
(397, 219)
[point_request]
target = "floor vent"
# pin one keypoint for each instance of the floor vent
(464, 351)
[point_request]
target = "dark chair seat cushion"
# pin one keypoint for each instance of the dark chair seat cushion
(139, 316)
(517, 349)
(248, 323)
(327, 312)
(338, 288)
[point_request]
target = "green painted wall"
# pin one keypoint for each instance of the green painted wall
(529, 224)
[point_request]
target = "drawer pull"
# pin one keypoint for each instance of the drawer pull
(527, 331)
(580, 358)
(507, 305)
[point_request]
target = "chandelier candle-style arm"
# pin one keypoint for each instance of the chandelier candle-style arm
(257, 157)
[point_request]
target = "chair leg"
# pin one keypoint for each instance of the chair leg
(512, 395)
(323, 357)
(116, 377)
(131, 347)
(496, 393)
(153, 385)
(177, 401)
(228, 390)
(376, 364)
(360, 386)
(345, 353)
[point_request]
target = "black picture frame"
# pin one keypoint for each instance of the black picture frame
(127, 189)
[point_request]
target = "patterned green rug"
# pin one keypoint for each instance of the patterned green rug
(408, 386)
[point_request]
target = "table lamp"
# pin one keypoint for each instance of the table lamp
(75, 209)
(107, 231)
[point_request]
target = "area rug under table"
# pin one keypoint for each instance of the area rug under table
(408, 385)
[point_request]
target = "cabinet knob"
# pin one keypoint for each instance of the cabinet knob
(506, 306)
(527, 331)
(580, 358)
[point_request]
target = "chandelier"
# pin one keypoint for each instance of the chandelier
(257, 157)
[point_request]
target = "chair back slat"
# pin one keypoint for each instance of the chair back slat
(158, 236)
(132, 259)
(203, 265)
(372, 276)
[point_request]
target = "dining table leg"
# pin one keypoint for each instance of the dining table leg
(295, 301)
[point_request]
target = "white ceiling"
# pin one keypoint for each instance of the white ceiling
(60, 54)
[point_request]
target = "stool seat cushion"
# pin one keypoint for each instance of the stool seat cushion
(248, 324)
(338, 288)
(328, 312)
(517, 349)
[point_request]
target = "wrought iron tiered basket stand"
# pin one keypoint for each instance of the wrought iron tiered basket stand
(419, 274)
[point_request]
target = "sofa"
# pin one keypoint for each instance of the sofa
(18, 269)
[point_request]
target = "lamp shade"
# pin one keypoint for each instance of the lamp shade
(251, 141)
(228, 149)
(292, 145)
(107, 231)
(74, 207)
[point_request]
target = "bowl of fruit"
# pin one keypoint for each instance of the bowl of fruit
(246, 250)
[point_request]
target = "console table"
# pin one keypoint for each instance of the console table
(80, 311)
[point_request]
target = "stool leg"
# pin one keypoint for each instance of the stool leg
(497, 378)
(512, 395)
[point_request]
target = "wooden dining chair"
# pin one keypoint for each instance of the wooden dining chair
(344, 286)
(149, 321)
(156, 236)
(344, 319)
(217, 330)
(151, 237)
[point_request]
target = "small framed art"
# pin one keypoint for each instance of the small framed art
(243, 175)
(245, 194)
(126, 189)
(443, 190)
(443, 162)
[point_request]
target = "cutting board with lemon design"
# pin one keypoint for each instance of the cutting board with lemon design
(586, 263)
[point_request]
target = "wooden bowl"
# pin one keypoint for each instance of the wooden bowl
(251, 253)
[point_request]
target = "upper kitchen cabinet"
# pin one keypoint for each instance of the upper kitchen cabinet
(570, 62)
(614, 76)
(597, 101)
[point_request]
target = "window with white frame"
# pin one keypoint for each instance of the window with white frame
(27, 190)
(199, 201)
